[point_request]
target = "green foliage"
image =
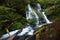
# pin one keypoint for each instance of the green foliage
(9, 18)
(32, 21)
(17, 25)
(48, 3)
(18, 5)
(12, 12)
(53, 12)
(33, 2)
(51, 8)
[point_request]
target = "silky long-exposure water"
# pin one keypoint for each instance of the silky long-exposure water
(29, 30)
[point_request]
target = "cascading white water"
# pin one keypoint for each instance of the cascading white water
(30, 16)
(28, 13)
(45, 17)
(28, 30)
(39, 8)
(43, 13)
(7, 35)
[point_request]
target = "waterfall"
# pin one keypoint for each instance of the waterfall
(30, 16)
(39, 8)
(45, 17)
(26, 31)
(29, 30)
(43, 13)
